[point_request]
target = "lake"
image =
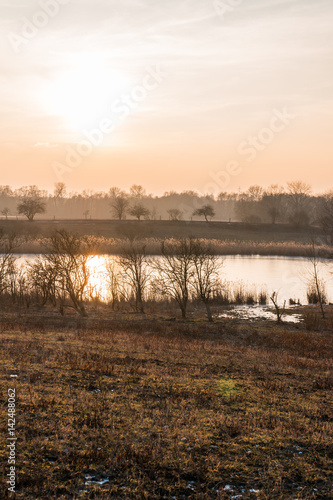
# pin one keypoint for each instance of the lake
(286, 275)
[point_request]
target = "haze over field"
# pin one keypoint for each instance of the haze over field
(210, 96)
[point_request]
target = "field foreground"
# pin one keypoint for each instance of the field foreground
(145, 409)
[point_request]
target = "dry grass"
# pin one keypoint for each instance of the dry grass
(112, 246)
(226, 239)
(169, 410)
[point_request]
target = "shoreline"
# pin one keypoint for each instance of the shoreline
(112, 247)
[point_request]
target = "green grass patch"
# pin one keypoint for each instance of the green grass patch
(227, 387)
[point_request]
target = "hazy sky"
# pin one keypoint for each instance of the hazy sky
(192, 94)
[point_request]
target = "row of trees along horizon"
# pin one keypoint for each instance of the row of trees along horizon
(293, 204)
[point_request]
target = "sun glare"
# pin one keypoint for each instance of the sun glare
(84, 95)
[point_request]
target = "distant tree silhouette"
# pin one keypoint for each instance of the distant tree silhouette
(272, 201)
(115, 191)
(299, 198)
(255, 192)
(137, 191)
(119, 203)
(59, 190)
(32, 203)
(5, 212)
(6, 191)
(175, 214)
(138, 210)
(207, 211)
(326, 216)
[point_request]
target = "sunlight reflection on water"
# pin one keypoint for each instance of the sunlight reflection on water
(286, 275)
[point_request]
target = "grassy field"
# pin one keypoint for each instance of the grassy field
(157, 409)
(228, 239)
(165, 229)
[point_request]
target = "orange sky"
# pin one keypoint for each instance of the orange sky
(173, 96)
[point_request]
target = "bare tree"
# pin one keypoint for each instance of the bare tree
(255, 192)
(119, 203)
(69, 256)
(175, 272)
(175, 214)
(137, 191)
(280, 312)
(272, 202)
(135, 271)
(19, 288)
(5, 212)
(115, 191)
(326, 216)
(206, 279)
(6, 191)
(59, 190)
(31, 202)
(299, 194)
(113, 280)
(7, 260)
(138, 210)
(207, 211)
(42, 277)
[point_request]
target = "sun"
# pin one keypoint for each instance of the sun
(84, 95)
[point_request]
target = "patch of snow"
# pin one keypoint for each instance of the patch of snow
(191, 485)
(101, 482)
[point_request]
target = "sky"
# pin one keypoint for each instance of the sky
(196, 94)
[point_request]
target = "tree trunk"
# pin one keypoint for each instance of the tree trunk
(82, 311)
(139, 303)
(209, 313)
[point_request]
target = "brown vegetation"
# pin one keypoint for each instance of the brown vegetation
(224, 238)
(168, 410)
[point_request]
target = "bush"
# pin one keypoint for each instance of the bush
(313, 296)
(312, 321)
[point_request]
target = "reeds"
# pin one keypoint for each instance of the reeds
(239, 293)
(113, 246)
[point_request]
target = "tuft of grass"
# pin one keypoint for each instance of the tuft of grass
(227, 388)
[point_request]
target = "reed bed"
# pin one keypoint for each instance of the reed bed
(113, 246)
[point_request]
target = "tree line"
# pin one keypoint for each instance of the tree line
(293, 204)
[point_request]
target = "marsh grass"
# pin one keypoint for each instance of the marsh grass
(158, 410)
(226, 246)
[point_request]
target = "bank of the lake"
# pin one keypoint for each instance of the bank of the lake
(287, 276)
